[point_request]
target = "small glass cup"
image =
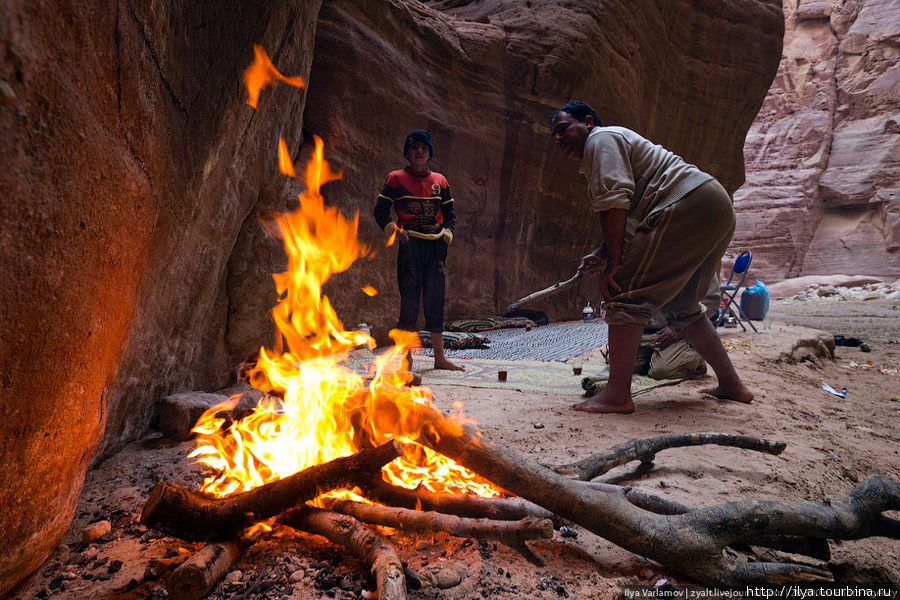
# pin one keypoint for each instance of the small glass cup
(501, 375)
(576, 368)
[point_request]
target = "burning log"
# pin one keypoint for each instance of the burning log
(512, 509)
(193, 516)
(645, 450)
(471, 506)
(347, 531)
(512, 533)
(691, 542)
(198, 574)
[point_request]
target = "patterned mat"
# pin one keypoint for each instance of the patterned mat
(523, 375)
(551, 377)
(556, 341)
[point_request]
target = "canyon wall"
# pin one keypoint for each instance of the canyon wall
(135, 177)
(822, 195)
(131, 161)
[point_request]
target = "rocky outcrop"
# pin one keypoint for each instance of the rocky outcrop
(135, 175)
(823, 157)
(130, 163)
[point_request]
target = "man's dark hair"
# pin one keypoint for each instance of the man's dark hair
(578, 110)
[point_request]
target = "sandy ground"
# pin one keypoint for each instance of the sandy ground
(832, 443)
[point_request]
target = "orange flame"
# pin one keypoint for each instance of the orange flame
(369, 291)
(285, 165)
(317, 408)
(261, 73)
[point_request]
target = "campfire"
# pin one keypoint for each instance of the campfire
(332, 451)
(316, 411)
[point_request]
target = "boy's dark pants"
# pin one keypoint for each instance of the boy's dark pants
(420, 273)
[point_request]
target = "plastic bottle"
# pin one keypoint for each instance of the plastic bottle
(588, 312)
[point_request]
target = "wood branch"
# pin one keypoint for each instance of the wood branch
(511, 509)
(512, 533)
(193, 516)
(645, 450)
(471, 506)
(814, 548)
(544, 293)
(197, 575)
(691, 543)
(361, 540)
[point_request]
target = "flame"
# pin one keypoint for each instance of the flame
(261, 73)
(285, 165)
(369, 291)
(392, 238)
(316, 407)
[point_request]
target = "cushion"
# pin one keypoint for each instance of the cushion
(488, 323)
(456, 340)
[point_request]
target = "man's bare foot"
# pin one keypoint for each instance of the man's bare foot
(447, 365)
(601, 403)
(738, 394)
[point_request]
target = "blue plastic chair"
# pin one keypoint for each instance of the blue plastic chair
(729, 306)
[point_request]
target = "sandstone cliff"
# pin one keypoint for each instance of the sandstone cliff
(135, 175)
(823, 157)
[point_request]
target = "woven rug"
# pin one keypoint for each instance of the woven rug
(523, 375)
(551, 377)
(556, 341)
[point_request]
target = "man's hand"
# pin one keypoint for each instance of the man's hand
(608, 286)
(593, 260)
(665, 338)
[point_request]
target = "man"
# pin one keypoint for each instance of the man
(666, 225)
(423, 204)
(663, 353)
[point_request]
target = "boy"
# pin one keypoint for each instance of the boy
(425, 219)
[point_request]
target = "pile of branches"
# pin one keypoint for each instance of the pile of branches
(688, 539)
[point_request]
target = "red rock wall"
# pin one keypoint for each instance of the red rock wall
(134, 175)
(823, 158)
(483, 78)
(130, 162)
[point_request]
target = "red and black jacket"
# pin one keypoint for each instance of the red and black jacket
(423, 204)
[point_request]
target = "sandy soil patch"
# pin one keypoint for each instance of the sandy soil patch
(833, 443)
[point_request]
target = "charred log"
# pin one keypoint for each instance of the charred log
(196, 517)
(197, 575)
(470, 506)
(361, 540)
(512, 533)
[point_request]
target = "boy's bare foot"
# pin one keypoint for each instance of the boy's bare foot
(604, 403)
(738, 394)
(447, 365)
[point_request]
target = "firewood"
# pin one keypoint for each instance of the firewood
(815, 548)
(511, 509)
(645, 450)
(197, 575)
(196, 517)
(471, 506)
(512, 533)
(361, 540)
(691, 543)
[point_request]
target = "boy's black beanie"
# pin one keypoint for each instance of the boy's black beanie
(418, 135)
